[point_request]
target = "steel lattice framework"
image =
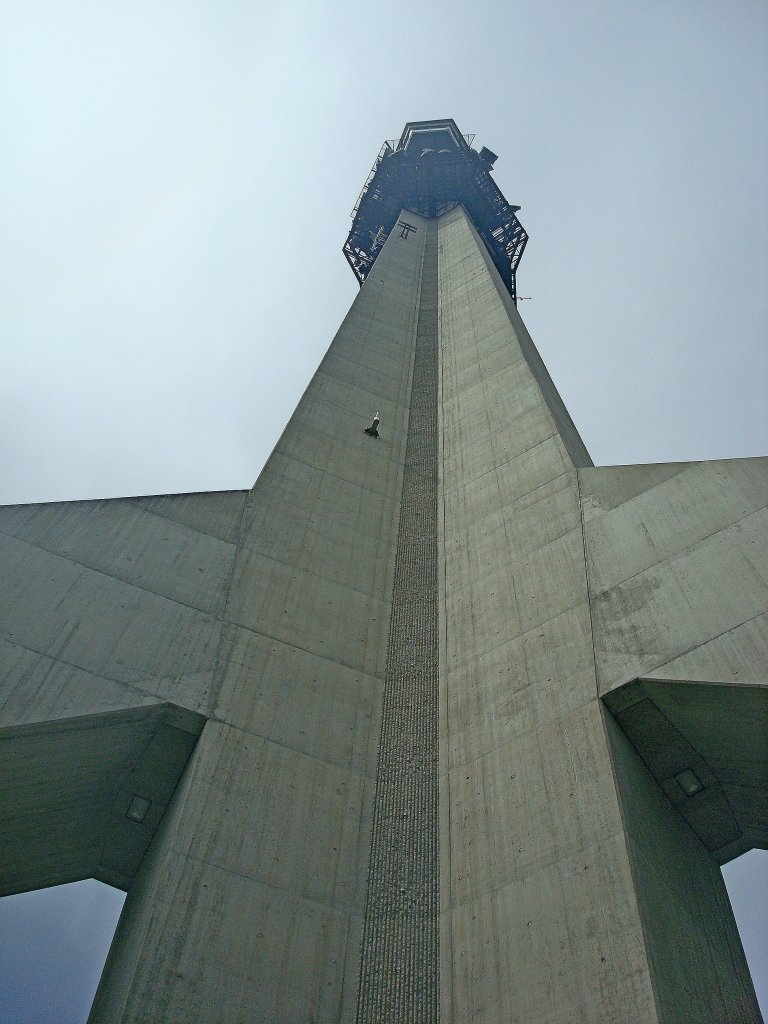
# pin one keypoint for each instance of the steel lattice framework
(431, 168)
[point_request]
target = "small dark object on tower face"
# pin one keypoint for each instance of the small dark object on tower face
(373, 430)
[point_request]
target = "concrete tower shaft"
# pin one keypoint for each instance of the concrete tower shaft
(450, 684)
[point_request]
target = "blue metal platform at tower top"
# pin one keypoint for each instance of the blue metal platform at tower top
(431, 168)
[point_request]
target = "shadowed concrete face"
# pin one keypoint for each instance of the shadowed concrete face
(91, 794)
(713, 776)
(428, 783)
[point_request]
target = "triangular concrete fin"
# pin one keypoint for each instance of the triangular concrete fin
(605, 487)
(85, 796)
(709, 738)
(675, 843)
(108, 603)
(678, 570)
(217, 513)
(738, 656)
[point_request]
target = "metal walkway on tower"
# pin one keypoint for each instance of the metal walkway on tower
(431, 168)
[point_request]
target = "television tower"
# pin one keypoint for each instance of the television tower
(438, 722)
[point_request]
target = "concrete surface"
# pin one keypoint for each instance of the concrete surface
(678, 570)
(68, 787)
(694, 951)
(318, 831)
(537, 884)
(269, 843)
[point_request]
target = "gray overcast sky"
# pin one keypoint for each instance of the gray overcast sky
(176, 184)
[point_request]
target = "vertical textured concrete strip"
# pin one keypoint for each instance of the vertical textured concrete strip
(399, 971)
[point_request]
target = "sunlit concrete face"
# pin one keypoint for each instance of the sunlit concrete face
(545, 882)
(531, 823)
(568, 873)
